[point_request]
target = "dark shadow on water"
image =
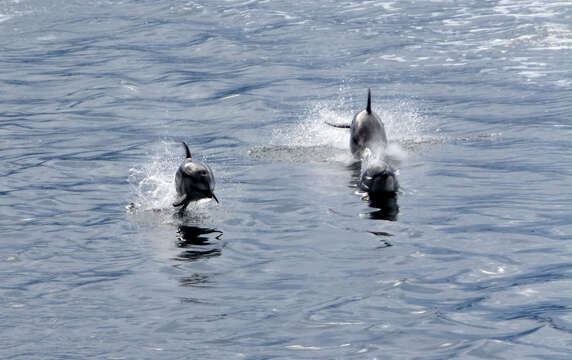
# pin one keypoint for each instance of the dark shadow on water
(194, 235)
(195, 280)
(384, 242)
(387, 208)
(197, 243)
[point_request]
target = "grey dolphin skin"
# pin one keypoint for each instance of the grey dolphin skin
(379, 180)
(193, 181)
(367, 131)
(368, 141)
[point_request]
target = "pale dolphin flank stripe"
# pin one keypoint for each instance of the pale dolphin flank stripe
(193, 181)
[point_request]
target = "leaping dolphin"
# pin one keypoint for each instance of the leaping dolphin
(368, 141)
(366, 131)
(193, 181)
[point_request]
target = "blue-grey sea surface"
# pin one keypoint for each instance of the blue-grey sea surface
(473, 259)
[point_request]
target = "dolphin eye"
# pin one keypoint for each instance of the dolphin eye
(203, 173)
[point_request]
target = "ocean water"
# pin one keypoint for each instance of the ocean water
(473, 260)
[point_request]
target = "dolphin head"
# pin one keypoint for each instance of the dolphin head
(193, 181)
(196, 179)
(379, 179)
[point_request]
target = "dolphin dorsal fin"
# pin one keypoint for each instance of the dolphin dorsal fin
(368, 107)
(187, 151)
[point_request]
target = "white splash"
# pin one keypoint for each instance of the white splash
(153, 187)
(4, 18)
(153, 183)
(313, 130)
(401, 119)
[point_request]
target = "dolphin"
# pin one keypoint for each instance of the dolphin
(366, 131)
(193, 181)
(368, 141)
(379, 180)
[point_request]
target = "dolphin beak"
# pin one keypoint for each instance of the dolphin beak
(214, 197)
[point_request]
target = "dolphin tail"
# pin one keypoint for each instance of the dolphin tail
(340, 126)
(187, 151)
(368, 107)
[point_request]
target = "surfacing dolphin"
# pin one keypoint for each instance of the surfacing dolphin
(368, 141)
(193, 181)
(366, 131)
(379, 181)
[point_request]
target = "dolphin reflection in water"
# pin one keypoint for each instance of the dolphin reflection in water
(196, 242)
